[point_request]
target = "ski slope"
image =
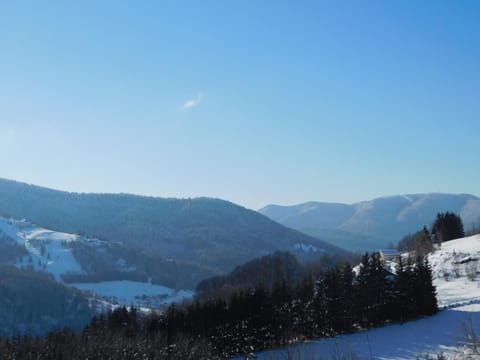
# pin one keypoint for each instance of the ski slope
(49, 251)
(459, 300)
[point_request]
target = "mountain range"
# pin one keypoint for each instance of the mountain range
(373, 224)
(174, 242)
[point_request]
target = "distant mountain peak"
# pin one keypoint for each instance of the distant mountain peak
(374, 223)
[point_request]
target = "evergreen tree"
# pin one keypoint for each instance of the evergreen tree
(346, 319)
(447, 226)
(407, 243)
(302, 308)
(425, 290)
(423, 242)
(328, 301)
(361, 292)
(282, 318)
(406, 305)
(378, 284)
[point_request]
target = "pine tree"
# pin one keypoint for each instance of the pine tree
(378, 285)
(347, 301)
(447, 226)
(423, 242)
(361, 291)
(331, 299)
(425, 290)
(302, 308)
(320, 306)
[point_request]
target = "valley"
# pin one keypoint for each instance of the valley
(239, 180)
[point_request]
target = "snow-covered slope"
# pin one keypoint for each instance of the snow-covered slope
(455, 270)
(47, 250)
(52, 252)
(411, 340)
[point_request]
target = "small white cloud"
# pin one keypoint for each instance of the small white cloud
(191, 103)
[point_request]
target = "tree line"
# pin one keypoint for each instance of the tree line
(336, 301)
(447, 226)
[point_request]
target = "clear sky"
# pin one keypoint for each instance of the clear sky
(256, 102)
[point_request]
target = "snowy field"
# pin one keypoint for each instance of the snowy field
(133, 292)
(458, 296)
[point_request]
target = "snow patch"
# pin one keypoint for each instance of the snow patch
(307, 248)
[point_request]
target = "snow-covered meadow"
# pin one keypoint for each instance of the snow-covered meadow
(127, 292)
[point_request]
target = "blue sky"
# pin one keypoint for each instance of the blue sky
(256, 102)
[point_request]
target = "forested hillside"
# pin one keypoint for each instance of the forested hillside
(268, 271)
(209, 235)
(33, 303)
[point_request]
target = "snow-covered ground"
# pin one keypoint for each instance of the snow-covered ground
(432, 335)
(458, 296)
(49, 251)
(455, 268)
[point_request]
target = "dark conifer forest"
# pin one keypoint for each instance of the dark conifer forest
(335, 301)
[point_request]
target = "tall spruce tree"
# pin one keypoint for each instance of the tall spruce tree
(361, 293)
(425, 290)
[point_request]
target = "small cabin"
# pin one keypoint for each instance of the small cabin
(389, 254)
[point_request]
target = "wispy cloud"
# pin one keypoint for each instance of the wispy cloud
(191, 103)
